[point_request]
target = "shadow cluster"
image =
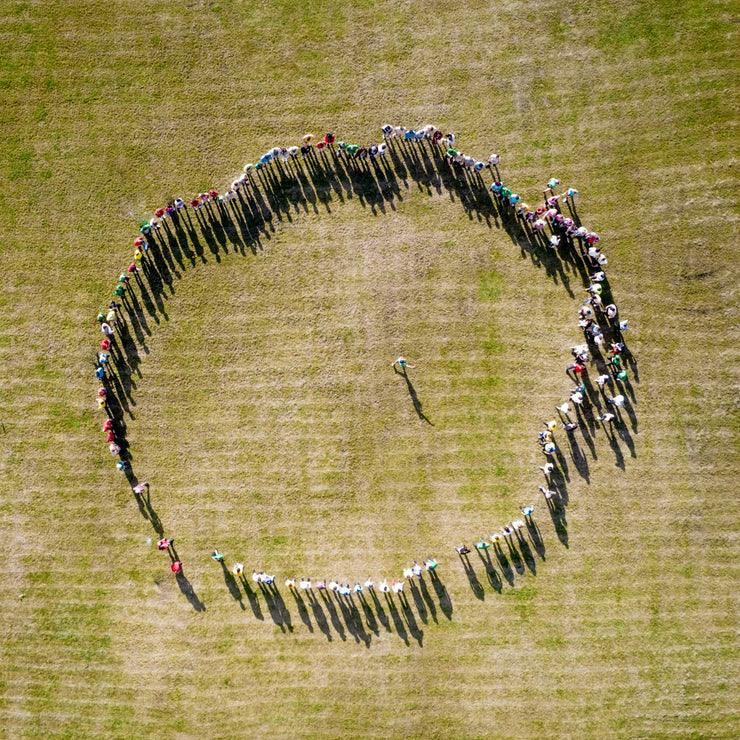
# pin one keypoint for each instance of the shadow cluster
(357, 616)
(504, 559)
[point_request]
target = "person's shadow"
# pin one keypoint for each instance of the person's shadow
(414, 398)
(232, 585)
(189, 593)
(254, 601)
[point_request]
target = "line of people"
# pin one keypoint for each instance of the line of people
(336, 586)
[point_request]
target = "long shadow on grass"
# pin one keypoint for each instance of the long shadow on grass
(491, 573)
(187, 589)
(370, 620)
(535, 535)
(319, 616)
(232, 585)
(144, 502)
(253, 599)
(396, 617)
(421, 607)
(503, 563)
(302, 610)
(353, 620)
(412, 392)
(382, 617)
(276, 606)
(334, 617)
(556, 507)
(526, 551)
(445, 602)
(416, 632)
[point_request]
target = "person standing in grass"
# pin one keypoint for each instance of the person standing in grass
(602, 380)
(403, 364)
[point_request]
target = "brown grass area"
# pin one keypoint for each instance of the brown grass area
(267, 416)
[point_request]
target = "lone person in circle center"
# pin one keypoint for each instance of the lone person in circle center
(401, 362)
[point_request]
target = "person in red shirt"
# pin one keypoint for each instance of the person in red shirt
(176, 566)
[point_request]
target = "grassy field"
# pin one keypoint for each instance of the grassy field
(263, 409)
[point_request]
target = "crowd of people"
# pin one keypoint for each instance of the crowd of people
(548, 224)
(335, 586)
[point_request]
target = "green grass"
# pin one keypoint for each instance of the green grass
(267, 417)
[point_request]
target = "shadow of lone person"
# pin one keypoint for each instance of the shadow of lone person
(412, 392)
